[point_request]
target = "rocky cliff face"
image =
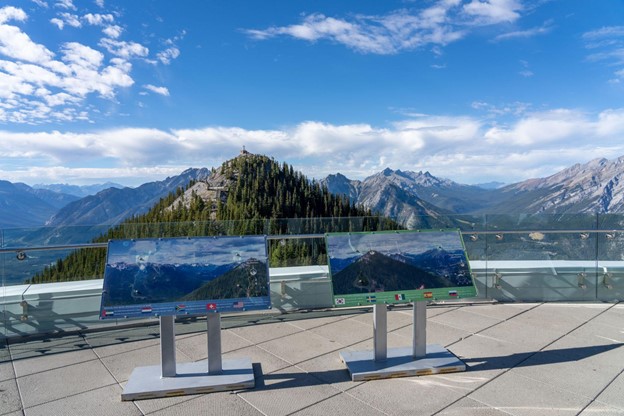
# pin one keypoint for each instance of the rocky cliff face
(597, 186)
(594, 187)
(410, 196)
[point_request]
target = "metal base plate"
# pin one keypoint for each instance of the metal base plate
(191, 378)
(401, 363)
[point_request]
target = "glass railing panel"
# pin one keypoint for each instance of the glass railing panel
(299, 274)
(513, 257)
(52, 307)
(610, 265)
(34, 262)
(540, 257)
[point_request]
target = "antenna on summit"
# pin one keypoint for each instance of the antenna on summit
(244, 151)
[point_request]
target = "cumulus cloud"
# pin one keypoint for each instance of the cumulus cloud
(158, 90)
(37, 83)
(113, 31)
(493, 11)
(43, 84)
(65, 4)
(444, 22)
(463, 148)
(124, 49)
(167, 55)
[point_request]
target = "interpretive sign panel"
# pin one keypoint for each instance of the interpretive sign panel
(398, 267)
(185, 276)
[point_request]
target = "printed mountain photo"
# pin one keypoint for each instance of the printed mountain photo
(396, 261)
(153, 271)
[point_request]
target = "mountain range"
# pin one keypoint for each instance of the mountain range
(416, 199)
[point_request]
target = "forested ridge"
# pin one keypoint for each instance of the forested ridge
(256, 195)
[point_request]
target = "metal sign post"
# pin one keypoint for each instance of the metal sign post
(207, 376)
(382, 362)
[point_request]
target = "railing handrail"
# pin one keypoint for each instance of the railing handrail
(17, 249)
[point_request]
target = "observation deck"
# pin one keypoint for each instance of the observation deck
(544, 336)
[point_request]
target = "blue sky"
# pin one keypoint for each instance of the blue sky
(470, 90)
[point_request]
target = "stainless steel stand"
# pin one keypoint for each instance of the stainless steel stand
(421, 359)
(207, 376)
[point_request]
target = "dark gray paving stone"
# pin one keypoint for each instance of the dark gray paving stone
(265, 332)
(501, 311)
(342, 404)
(345, 332)
(316, 322)
(262, 360)
(63, 382)
(437, 333)
(122, 345)
(300, 347)
(122, 364)
(331, 370)
(581, 376)
(104, 401)
(470, 407)
(613, 395)
(9, 397)
(519, 395)
(222, 404)
(6, 371)
(287, 391)
(405, 396)
(601, 409)
(196, 346)
(463, 320)
(24, 367)
(397, 318)
(167, 405)
(437, 310)
(47, 347)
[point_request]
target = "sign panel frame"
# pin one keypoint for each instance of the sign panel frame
(397, 267)
(181, 276)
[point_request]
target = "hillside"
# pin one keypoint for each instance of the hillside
(375, 272)
(237, 199)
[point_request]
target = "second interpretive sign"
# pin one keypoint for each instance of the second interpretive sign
(398, 267)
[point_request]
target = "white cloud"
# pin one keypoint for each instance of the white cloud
(58, 23)
(99, 3)
(527, 33)
(444, 22)
(12, 13)
(41, 3)
(97, 19)
(123, 49)
(65, 4)
(17, 45)
(67, 19)
(465, 149)
(113, 31)
(168, 55)
(158, 90)
(607, 45)
(36, 85)
(494, 11)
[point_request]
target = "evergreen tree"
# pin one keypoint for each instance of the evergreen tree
(263, 198)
